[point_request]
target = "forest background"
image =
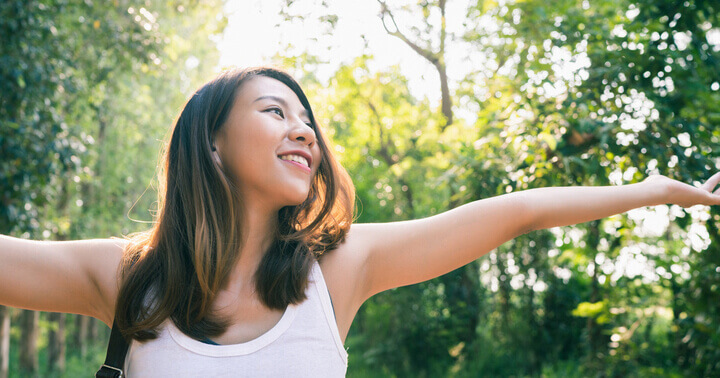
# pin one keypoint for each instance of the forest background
(524, 94)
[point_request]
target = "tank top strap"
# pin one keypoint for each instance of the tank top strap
(322, 292)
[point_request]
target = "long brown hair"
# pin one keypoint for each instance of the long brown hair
(176, 269)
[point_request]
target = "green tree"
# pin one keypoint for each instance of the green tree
(562, 93)
(75, 106)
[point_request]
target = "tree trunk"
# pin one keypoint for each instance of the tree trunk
(446, 101)
(92, 331)
(80, 335)
(527, 260)
(28, 342)
(4, 340)
(533, 338)
(461, 298)
(594, 332)
(56, 343)
(503, 291)
(436, 58)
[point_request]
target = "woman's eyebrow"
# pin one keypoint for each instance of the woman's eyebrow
(281, 101)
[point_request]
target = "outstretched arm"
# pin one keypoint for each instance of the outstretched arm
(562, 206)
(396, 254)
(70, 276)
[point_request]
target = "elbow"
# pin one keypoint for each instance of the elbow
(527, 221)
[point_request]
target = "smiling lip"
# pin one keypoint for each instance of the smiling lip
(302, 153)
(301, 166)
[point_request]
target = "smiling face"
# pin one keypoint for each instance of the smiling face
(268, 145)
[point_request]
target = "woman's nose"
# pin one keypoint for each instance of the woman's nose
(301, 132)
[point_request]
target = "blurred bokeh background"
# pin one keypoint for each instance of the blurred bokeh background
(429, 104)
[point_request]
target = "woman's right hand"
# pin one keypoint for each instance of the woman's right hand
(685, 195)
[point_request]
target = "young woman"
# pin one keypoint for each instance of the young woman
(254, 266)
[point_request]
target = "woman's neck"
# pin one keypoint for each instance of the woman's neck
(259, 229)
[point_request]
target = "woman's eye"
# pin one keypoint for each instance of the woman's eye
(277, 111)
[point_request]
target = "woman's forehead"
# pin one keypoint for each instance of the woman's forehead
(265, 87)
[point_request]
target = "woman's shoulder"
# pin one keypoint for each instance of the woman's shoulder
(349, 254)
(103, 262)
(342, 271)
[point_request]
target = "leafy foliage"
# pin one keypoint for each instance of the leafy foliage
(89, 89)
(559, 93)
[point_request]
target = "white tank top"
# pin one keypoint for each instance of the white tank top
(304, 343)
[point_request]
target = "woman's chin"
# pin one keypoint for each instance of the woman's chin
(296, 199)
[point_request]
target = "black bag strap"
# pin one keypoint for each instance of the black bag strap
(115, 358)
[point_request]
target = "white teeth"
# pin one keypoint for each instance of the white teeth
(296, 158)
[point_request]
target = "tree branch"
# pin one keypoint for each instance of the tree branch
(427, 54)
(384, 150)
(443, 33)
(437, 59)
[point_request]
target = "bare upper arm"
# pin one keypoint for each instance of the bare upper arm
(381, 256)
(404, 253)
(341, 270)
(70, 276)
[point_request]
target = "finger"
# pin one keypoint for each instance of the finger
(712, 182)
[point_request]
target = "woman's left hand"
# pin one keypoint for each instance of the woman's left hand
(685, 195)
